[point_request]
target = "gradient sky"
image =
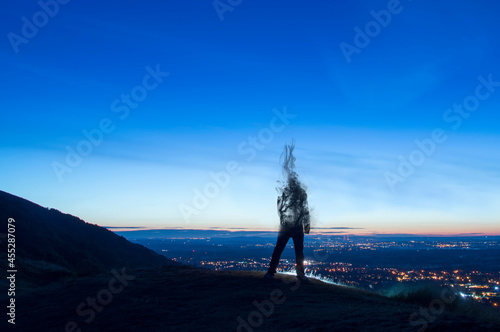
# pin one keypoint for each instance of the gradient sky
(353, 119)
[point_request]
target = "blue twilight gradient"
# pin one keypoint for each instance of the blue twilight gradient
(352, 120)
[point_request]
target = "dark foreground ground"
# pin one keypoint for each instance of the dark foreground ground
(187, 299)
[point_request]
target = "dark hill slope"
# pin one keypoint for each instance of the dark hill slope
(186, 299)
(101, 287)
(51, 244)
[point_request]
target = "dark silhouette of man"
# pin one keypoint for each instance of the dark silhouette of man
(294, 216)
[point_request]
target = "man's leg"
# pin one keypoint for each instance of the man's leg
(298, 244)
(283, 238)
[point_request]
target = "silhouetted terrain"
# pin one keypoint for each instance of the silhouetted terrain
(51, 245)
(188, 299)
(74, 276)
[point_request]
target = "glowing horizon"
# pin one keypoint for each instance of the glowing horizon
(314, 231)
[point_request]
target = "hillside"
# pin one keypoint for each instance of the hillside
(75, 276)
(188, 299)
(51, 245)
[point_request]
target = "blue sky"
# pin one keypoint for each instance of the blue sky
(227, 80)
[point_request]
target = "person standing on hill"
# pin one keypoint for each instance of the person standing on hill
(294, 216)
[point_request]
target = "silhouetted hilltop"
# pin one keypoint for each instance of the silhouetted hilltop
(51, 244)
(180, 298)
(105, 283)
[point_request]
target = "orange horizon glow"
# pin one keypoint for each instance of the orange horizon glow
(313, 232)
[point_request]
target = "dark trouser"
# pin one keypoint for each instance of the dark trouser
(297, 234)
